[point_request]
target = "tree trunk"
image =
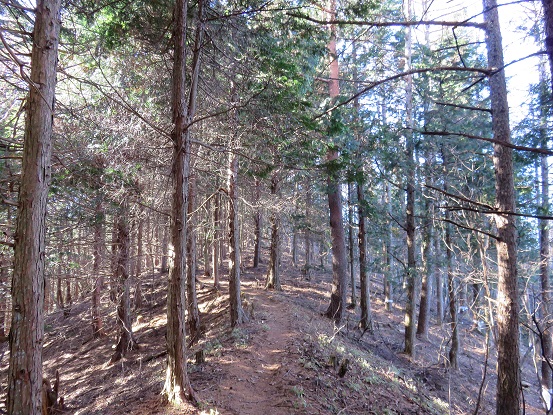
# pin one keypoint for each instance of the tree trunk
(164, 247)
(24, 394)
(545, 252)
(126, 340)
(439, 282)
(177, 386)
(388, 300)
(257, 226)
(237, 315)
(548, 23)
(338, 296)
(308, 242)
(426, 289)
(410, 305)
(454, 349)
(508, 349)
(350, 245)
(192, 298)
(216, 238)
(366, 322)
(273, 271)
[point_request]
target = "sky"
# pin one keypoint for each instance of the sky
(515, 20)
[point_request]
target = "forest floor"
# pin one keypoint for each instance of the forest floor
(285, 360)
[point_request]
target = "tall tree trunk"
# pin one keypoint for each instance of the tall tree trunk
(508, 349)
(216, 238)
(273, 270)
(350, 245)
(237, 315)
(410, 305)
(98, 249)
(366, 322)
(24, 395)
(177, 386)
(139, 248)
(308, 242)
(454, 349)
(126, 340)
(548, 23)
(192, 298)
(439, 280)
(164, 246)
(388, 300)
(545, 253)
(257, 226)
(426, 289)
(338, 296)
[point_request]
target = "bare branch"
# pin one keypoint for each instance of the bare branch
(465, 107)
(491, 140)
(389, 24)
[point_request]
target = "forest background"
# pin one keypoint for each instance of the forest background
(184, 134)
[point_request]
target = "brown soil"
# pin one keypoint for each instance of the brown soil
(285, 360)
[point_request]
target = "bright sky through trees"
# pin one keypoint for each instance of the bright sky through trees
(516, 22)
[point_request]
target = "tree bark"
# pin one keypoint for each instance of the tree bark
(237, 315)
(273, 270)
(308, 242)
(216, 238)
(545, 253)
(257, 226)
(454, 349)
(351, 248)
(548, 23)
(388, 300)
(338, 296)
(177, 386)
(426, 288)
(126, 340)
(508, 349)
(410, 305)
(192, 298)
(366, 322)
(24, 395)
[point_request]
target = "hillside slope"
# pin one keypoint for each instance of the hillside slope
(288, 359)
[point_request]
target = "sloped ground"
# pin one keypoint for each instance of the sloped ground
(286, 360)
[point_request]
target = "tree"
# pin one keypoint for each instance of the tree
(122, 238)
(508, 361)
(27, 327)
(410, 306)
(338, 296)
(177, 386)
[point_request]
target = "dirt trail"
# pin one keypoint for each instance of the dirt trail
(255, 380)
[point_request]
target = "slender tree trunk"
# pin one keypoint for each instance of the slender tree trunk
(126, 340)
(24, 389)
(388, 300)
(257, 226)
(410, 305)
(454, 349)
(273, 271)
(177, 386)
(164, 246)
(308, 243)
(439, 280)
(338, 296)
(548, 23)
(351, 247)
(426, 289)
(216, 238)
(366, 322)
(508, 349)
(237, 315)
(545, 253)
(192, 298)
